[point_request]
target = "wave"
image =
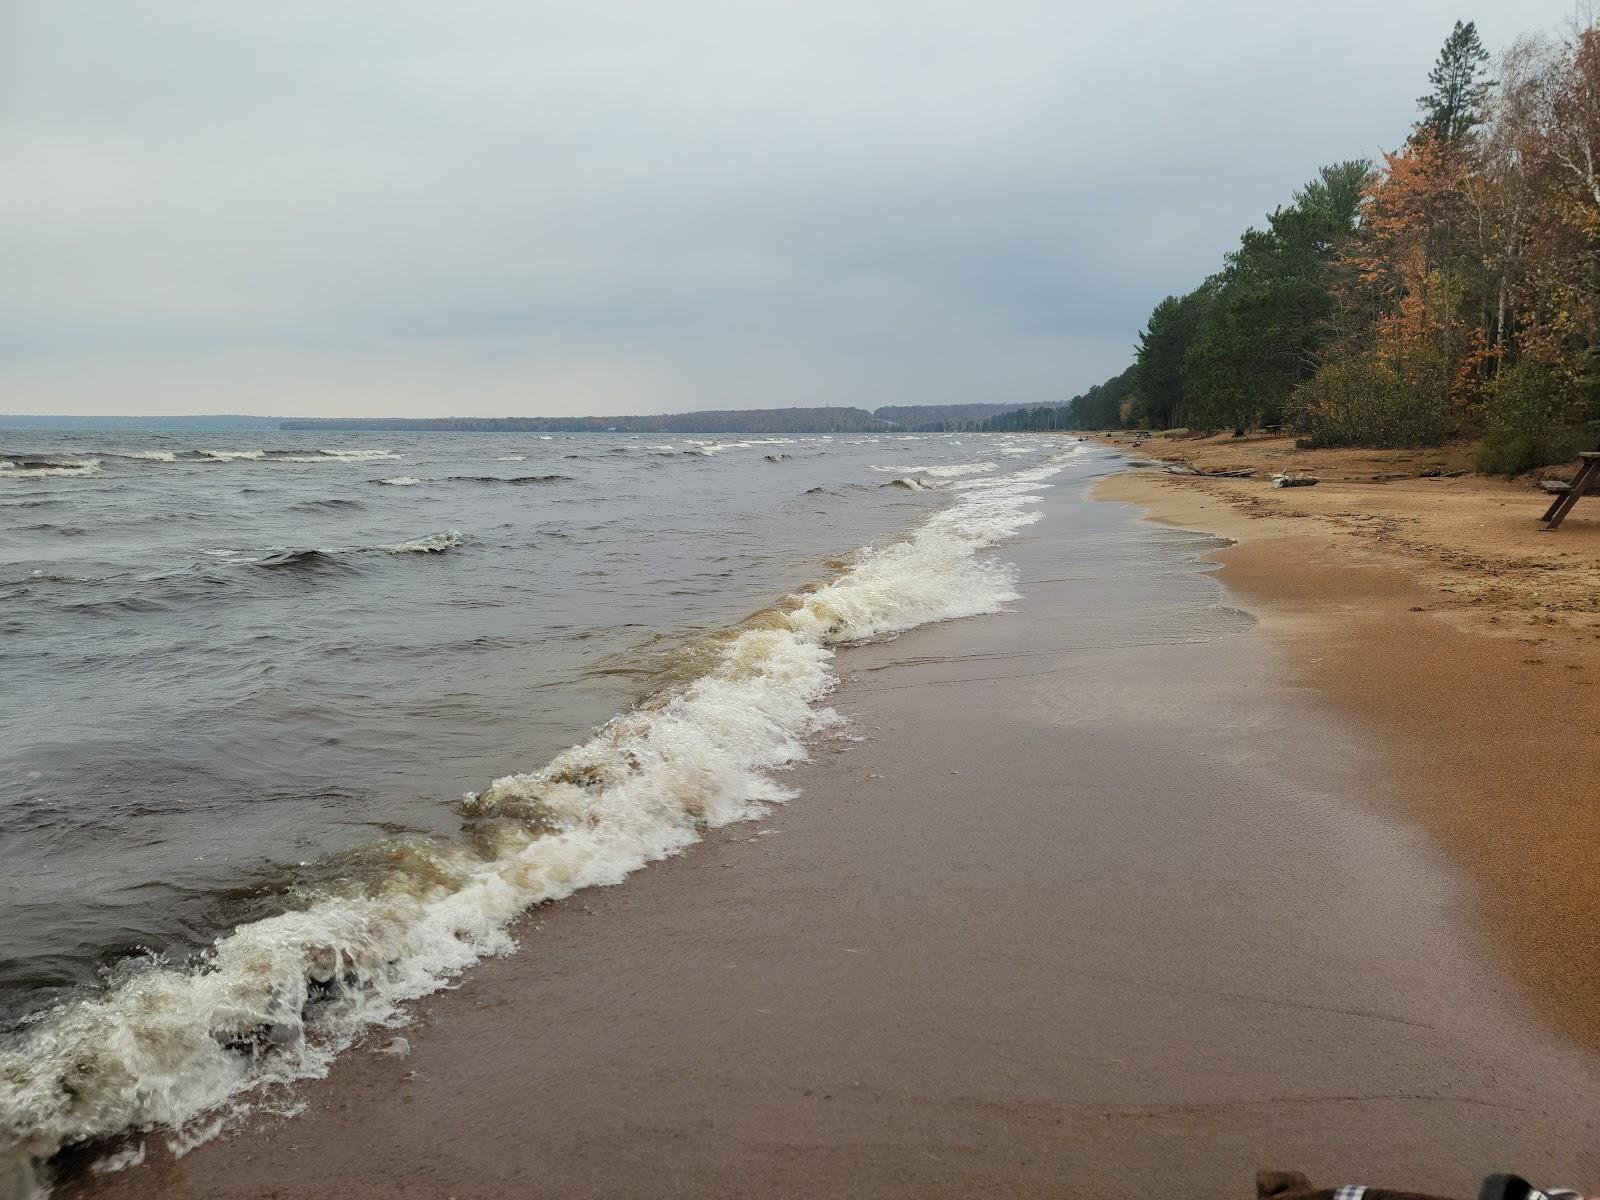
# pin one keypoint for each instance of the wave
(312, 560)
(509, 480)
(23, 466)
(333, 502)
(910, 484)
(945, 470)
(513, 480)
(275, 1000)
(434, 543)
(290, 456)
(42, 467)
(297, 561)
(165, 456)
(351, 455)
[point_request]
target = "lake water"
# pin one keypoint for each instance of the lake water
(296, 724)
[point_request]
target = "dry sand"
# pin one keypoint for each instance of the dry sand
(1474, 542)
(1106, 904)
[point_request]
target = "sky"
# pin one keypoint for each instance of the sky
(514, 207)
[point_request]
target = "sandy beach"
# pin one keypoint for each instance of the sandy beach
(1124, 892)
(1434, 613)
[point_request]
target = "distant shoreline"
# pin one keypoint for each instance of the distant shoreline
(768, 421)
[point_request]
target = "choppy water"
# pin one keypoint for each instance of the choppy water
(249, 678)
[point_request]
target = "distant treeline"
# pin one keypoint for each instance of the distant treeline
(1452, 290)
(215, 421)
(751, 421)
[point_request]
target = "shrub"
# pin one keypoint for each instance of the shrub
(1528, 415)
(1364, 402)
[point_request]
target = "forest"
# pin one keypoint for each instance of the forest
(1451, 290)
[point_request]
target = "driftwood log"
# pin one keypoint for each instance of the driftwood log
(1294, 480)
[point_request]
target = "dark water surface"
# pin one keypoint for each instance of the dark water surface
(294, 725)
(227, 654)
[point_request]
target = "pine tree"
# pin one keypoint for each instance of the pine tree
(1455, 106)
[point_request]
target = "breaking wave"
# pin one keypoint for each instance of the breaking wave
(177, 1046)
(945, 470)
(434, 543)
(34, 466)
(291, 456)
(46, 467)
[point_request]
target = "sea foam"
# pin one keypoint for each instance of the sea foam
(183, 1048)
(434, 543)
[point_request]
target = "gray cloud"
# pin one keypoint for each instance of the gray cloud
(381, 206)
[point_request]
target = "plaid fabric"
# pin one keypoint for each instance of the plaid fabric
(1350, 1191)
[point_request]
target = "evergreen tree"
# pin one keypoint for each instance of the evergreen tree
(1164, 341)
(1270, 311)
(1455, 106)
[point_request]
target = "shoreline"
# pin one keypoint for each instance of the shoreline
(1488, 705)
(1058, 919)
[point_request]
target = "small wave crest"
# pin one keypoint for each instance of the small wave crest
(944, 470)
(44, 467)
(434, 543)
(292, 456)
(164, 456)
(312, 560)
(297, 561)
(331, 504)
(509, 480)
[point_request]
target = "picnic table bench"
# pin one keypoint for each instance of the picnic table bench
(1568, 494)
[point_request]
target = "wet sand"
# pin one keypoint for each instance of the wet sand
(1490, 714)
(1103, 904)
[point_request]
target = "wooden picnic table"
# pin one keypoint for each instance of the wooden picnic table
(1568, 494)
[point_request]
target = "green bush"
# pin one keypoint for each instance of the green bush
(1364, 402)
(1528, 414)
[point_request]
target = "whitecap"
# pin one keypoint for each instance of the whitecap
(44, 469)
(942, 470)
(232, 455)
(434, 543)
(350, 455)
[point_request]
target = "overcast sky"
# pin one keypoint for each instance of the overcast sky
(518, 207)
